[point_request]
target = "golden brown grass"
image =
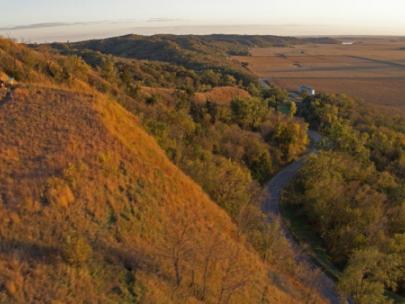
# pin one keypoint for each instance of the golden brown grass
(164, 94)
(386, 94)
(93, 211)
(221, 95)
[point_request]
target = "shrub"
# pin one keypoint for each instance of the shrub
(58, 193)
(76, 250)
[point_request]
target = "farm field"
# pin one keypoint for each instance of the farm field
(372, 69)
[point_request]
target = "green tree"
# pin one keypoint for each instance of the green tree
(211, 77)
(249, 112)
(275, 93)
(293, 109)
(367, 275)
(108, 69)
(227, 183)
(289, 136)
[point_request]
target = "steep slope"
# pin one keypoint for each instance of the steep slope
(93, 211)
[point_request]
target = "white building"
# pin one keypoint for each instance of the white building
(304, 89)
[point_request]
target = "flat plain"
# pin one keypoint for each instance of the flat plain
(372, 69)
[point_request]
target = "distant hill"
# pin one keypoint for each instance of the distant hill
(198, 53)
(147, 47)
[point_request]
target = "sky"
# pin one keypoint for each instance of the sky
(289, 17)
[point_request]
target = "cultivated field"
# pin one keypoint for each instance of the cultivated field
(371, 68)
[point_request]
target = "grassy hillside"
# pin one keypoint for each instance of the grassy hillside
(93, 210)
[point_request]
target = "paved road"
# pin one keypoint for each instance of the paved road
(327, 286)
(293, 96)
(263, 84)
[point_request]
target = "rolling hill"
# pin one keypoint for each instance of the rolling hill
(197, 53)
(93, 211)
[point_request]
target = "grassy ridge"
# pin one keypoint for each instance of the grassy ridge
(94, 211)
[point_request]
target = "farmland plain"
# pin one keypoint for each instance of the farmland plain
(372, 69)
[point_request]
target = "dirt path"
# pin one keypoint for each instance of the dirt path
(327, 286)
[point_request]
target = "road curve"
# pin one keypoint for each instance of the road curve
(271, 206)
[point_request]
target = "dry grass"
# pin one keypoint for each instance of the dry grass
(92, 210)
(387, 94)
(80, 178)
(163, 93)
(221, 95)
(371, 69)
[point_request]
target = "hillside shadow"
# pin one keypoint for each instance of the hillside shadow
(29, 251)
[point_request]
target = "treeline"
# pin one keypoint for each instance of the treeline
(353, 194)
(136, 71)
(197, 53)
(230, 150)
(176, 47)
(189, 53)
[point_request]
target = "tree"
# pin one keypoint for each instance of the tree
(257, 158)
(229, 80)
(289, 136)
(367, 275)
(249, 112)
(293, 109)
(275, 93)
(345, 210)
(397, 246)
(211, 77)
(248, 148)
(108, 69)
(234, 278)
(178, 248)
(253, 89)
(227, 183)
(212, 254)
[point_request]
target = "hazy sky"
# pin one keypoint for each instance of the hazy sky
(338, 16)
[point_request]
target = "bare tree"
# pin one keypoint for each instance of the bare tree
(178, 248)
(235, 277)
(211, 255)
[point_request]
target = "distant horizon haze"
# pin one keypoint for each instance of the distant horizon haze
(57, 20)
(78, 31)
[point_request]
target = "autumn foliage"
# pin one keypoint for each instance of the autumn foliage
(93, 210)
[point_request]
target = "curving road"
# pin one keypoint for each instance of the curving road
(327, 286)
(271, 206)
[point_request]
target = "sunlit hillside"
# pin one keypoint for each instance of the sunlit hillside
(93, 211)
